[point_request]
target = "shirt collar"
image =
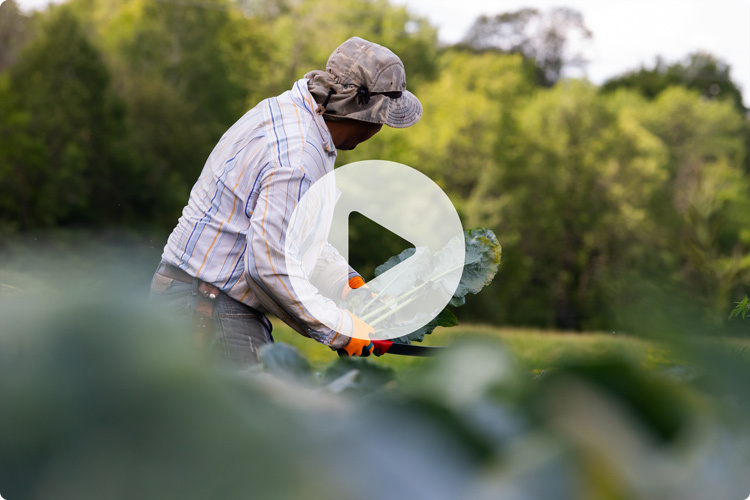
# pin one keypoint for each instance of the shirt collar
(302, 97)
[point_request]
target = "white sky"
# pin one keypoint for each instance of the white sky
(626, 33)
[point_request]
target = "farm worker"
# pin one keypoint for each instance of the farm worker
(223, 265)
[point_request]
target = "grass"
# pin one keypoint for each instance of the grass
(537, 349)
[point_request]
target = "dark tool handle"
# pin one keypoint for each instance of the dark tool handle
(387, 346)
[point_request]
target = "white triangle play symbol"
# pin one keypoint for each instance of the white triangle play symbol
(403, 201)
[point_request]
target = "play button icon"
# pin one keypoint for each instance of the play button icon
(412, 289)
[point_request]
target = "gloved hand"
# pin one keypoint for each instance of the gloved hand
(360, 343)
(354, 283)
(355, 287)
(357, 347)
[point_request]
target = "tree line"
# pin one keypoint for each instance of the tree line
(620, 206)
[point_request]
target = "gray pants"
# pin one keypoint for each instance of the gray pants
(237, 330)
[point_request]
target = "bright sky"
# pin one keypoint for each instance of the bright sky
(626, 33)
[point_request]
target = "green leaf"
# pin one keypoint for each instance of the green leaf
(481, 261)
(483, 253)
(370, 376)
(417, 265)
(445, 318)
(393, 261)
(285, 361)
(742, 309)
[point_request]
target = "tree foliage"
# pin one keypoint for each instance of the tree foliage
(68, 164)
(699, 71)
(551, 39)
(108, 109)
(15, 30)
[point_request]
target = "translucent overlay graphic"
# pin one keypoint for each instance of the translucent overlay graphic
(409, 291)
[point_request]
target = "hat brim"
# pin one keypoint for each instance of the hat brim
(404, 111)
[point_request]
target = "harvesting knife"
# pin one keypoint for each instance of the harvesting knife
(387, 346)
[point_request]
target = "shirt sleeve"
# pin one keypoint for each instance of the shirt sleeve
(333, 273)
(268, 272)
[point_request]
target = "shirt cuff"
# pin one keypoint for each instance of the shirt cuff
(340, 339)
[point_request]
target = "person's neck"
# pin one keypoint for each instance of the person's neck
(338, 131)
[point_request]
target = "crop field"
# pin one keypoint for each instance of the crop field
(104, 395)
(100, 394)
(536, 349)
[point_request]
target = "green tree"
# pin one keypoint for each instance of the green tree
(15, 30)
(548, 38)
(69, 168)
(699, 71)
(708, 188)
(185, 72)
(581, 194)
(23, 159)
(706, 198)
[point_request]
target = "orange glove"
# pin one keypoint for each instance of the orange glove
(353, 284)
(356, 282)
(357, 345)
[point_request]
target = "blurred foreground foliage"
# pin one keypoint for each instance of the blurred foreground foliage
(108, 109)
(102, 399)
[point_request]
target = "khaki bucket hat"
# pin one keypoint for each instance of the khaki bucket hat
(367, 82)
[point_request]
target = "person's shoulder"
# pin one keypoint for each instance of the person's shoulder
(290, 127)
(296, 106)
(251, 123)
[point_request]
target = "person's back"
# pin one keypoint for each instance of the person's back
(209, 241)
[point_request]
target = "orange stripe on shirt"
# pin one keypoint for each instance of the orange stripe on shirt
(273, 268)
(265, 209)
(208, 252)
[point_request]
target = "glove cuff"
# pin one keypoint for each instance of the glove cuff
(356, 282)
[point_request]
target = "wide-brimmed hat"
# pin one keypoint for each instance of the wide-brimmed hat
(367, 82)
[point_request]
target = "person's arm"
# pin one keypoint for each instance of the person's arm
(333, 274)
(267, 273)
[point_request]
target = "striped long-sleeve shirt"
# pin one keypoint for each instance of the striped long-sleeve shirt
(232, 231)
